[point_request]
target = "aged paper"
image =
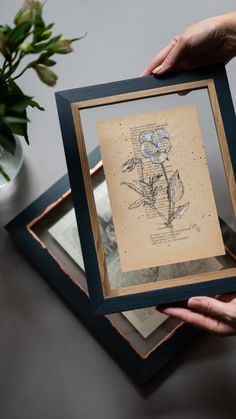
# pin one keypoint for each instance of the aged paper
(65, 232)
(144, 320)
(159, 187)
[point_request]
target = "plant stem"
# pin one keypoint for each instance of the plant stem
(14, 66)
(5, 65)
(159, 213)
(4, 174)
(169, 201)
(141, 170)
(20, 74)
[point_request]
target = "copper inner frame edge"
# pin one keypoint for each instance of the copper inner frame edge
(44, 213)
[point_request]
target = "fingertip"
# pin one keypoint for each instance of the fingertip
(169, 311)
(158, 70)
(144, 73)
(195, 301)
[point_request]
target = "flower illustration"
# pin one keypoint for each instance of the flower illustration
(155, 145)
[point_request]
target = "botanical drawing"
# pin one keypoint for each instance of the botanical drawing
(155, 145)
(116, 277)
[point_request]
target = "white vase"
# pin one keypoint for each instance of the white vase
(10, 164)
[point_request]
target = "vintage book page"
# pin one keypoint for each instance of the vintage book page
(144, 320)
(65, 232)
(162, 202)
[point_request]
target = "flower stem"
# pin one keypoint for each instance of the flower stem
(141, 170)
(20, 74)
(4, 174)
(169, 201)
(5, 65)
(13, 66)
(159, 213)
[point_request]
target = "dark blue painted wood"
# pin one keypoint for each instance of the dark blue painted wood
(80, 201)
(141, 370)
(64, 100)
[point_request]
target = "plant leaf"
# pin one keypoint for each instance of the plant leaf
(180, 211)
(2, 109)
(18, 128)
(130, 164)
(18, 102)
(155, 178)
(9, 120)
(133, 187)
(142, 186)
(141, 183)
(7, 139)
(18, 35)
(25, 127)
(47, 45)
(137, 203)
(155, 191)
(175, 189)
(35, 104)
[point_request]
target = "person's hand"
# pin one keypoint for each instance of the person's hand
(215, 315)
(208, 42)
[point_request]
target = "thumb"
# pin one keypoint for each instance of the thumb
(213, 307)
(172, 59)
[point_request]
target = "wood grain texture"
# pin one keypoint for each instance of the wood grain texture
(175, 282)
(91, 203)
(223, 143)
(172, 282)
(143, 94)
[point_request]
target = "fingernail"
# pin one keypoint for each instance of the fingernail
(166, 310)
(194, 300)
(158, 69)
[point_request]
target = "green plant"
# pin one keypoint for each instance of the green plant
(29, 37)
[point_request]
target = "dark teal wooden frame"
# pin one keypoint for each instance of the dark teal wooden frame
(64, 99)
(140, 369)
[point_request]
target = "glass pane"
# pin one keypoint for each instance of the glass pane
(57, 230)
(197, 101)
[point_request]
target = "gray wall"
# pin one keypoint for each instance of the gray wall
(50, 366)
(122, 37)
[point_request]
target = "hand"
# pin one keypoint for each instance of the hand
(215, 315)
(208, 42)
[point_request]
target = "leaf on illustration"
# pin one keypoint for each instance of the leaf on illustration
(137, 204)
(175, 189)
(133, 187)
(130, 164)
(155, 178)
(180, 211)
(155, 190)
(142, 184)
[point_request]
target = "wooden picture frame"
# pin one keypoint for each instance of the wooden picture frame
(71, 105)
(141, 358)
